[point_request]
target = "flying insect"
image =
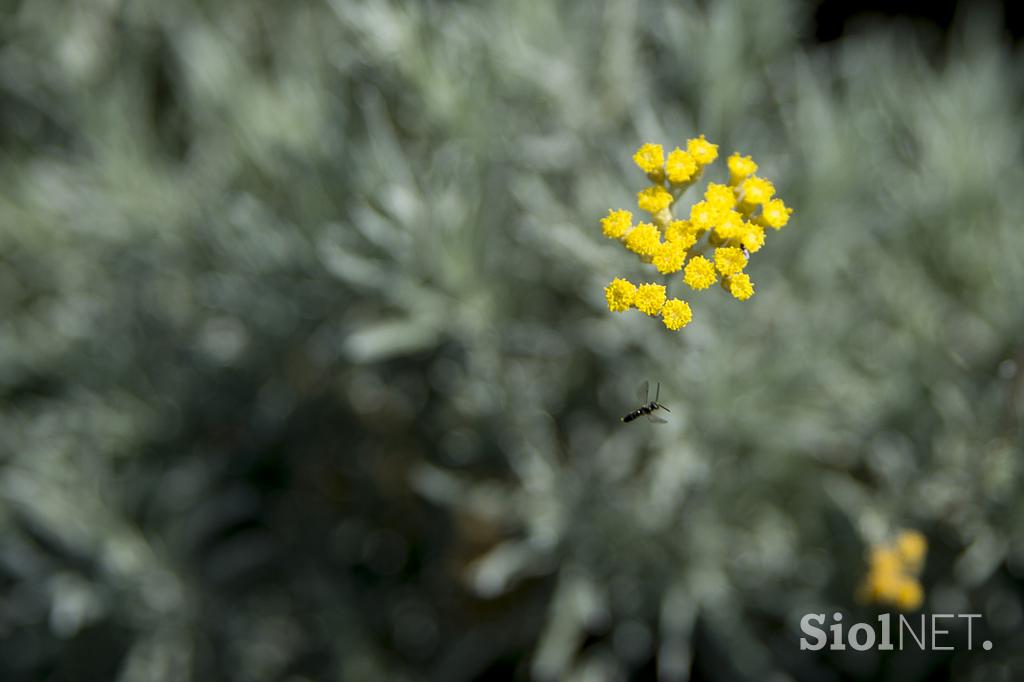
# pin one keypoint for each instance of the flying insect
(647, 408)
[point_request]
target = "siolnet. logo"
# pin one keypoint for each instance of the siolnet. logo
(934, 632)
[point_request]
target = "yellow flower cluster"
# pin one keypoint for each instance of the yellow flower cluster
(893, 569)
(647, 298)
(711, 245)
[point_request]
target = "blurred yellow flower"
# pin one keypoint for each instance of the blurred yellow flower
(884, 559)
(909, 595)
(912, 547)
(893, 569)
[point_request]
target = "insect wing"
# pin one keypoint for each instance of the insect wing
(641, 393)
(654, 419)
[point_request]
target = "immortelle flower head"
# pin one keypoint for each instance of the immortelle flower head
(620, 295)
(708, 242)
(893, 569)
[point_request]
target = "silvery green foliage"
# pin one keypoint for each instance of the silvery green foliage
(307, 372)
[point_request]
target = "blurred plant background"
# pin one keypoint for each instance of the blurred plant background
(307, 374)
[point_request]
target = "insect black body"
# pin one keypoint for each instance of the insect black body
(647, 407)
